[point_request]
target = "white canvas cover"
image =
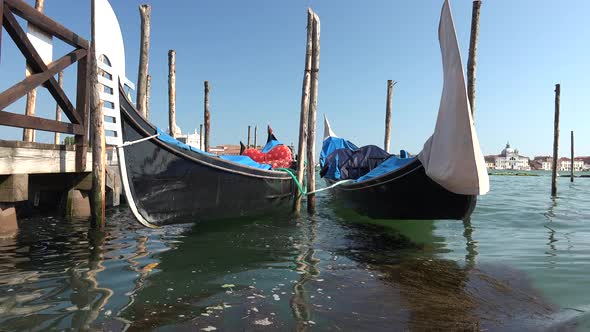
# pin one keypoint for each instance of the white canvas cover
(327, 130)
(452, 156)
(42, 42)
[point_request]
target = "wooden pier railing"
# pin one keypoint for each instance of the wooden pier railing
(43, 74)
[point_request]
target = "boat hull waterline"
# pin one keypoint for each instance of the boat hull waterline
(407, 193)
(172, 185)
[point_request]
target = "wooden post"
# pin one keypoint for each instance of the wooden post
(98, 137)
(472, 61)
(60, 78)
(248, 146)
(201, 136)
(207, 116)
(172, 92)
(313, 106)
(145, 12)
(148, 89)
(29, 134)
(388, 104)
(305, 95)
(255, 137)
(572, 162)
(98, 166)
(555, 141)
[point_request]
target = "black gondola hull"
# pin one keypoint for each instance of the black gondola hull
(172, 185)
(407, 193)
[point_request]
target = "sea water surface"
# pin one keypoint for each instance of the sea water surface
(521, 263)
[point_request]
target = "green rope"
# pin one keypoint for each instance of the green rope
(302, 190)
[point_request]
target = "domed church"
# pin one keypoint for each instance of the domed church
(510, 159)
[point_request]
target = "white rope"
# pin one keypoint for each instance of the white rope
(137, 141)
(330, 187)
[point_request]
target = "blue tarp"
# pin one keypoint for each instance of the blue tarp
(243, 160)
(391, 164)
(332, 144)
(344, 164)
(270, 144)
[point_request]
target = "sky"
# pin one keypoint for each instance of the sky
(252, 52)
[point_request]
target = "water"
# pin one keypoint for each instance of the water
(520, 263)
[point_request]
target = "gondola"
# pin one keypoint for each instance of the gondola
(441, 182)
(166, 181)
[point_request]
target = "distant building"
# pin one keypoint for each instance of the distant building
(565, 164)
(544, 163)
(193, 139)
(510, 159)
(490, 161)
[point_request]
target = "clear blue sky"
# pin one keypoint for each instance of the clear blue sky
(252, 52)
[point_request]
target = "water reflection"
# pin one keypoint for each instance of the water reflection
(335, 271)
(49, 272)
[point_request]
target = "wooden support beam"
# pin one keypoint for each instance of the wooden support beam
(23, 121)
(46, 24)
(255, 137)
(555, 141)
(248, 146)
(388, 103)
(172, 92)
(207, 116)
(472, 61)
(37, 65)
(148, 89)
(98, 137)
(20, 89)
(303, 117)
(313, 106)
(83, 105)
(145, 12)
(572, 160)
(98, 166)
(60, 81)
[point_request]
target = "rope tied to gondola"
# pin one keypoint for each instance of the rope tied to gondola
(137, 141)
(303, 189)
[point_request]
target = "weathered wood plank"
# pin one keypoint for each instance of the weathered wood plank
(305, 95)
(248, 146)
(82, 102)
(313, 106)
(46, 24)
(388, 104)
(145, 12)
(472, 60)
(37, 161)
(172, 92)
(207, 118)
(572, 160)
(555, 141)
(21, 88)
(37, 65)
(23, 121)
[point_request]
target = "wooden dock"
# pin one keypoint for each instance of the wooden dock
(42, 178)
